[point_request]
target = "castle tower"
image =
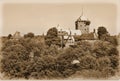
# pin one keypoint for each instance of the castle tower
(82, 24)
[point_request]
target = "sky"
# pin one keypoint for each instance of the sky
(38, 18)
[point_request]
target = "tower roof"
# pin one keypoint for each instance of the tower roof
(82, 18)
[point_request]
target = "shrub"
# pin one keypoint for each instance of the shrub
(52, 37)
(30, 57)
(30, 35)
(88, 62)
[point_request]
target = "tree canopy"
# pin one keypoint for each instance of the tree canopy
(30, 34)
(52, 37)
(103, 35)
(101, 31)
(30, 58)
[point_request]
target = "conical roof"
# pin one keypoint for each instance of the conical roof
(82, 18)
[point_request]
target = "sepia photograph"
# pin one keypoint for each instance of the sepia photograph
(59, 40)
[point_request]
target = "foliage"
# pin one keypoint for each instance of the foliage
(101, 31)
(103, 35)
(9, 36)
(52, 37)
(32, 58)
(13, 58)
(30, 34)
(111, 39)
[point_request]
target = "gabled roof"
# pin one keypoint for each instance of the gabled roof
(82, 18)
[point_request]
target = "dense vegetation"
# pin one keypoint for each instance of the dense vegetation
(32, 58)
(104, 35)
(52, 37)
(40, 57)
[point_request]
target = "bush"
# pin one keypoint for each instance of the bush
(88, 62)
(31, 58)
(30, 34)
(52, 37)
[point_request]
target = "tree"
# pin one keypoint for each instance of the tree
(14, 60)
(113, 40)
(52, 32)
(52, 37)
(9, 36)
(103, 35)
(102, 31)
(30, 34)
(31, 58)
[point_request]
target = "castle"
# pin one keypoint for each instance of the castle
(82, 24)
(81, 30)
(68, 37)
(81, 27)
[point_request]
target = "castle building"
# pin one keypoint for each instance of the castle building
(82, 24)
(67, 35)
(81, 32)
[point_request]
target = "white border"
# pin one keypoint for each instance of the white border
(117, 2)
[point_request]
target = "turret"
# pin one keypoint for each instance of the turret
(82, 24)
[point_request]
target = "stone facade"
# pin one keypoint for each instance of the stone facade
(82, 24)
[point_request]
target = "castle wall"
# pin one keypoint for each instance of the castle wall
(81, 25)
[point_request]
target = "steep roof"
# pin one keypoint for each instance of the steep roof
(82, 18)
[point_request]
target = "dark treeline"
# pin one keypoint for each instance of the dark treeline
(40, 57)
